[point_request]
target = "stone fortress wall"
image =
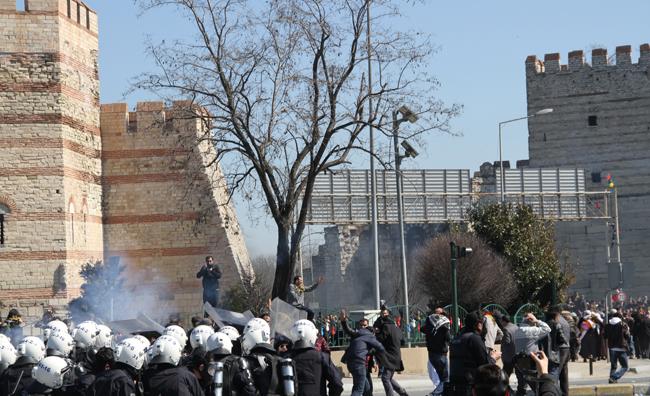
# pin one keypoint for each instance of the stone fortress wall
(50, 168)
(73, 190)
(601, 123)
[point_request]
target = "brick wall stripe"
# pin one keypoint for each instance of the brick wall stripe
(143, 153)
(29, 143)
(161, 252)
(151, 218)
(50, 119)
(143, 178)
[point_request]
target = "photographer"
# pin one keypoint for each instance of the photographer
(530, 332)
(12, 327)
(490, 380)
(211, 275)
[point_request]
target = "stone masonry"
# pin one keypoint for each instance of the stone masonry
(73, 190)
(600, 123)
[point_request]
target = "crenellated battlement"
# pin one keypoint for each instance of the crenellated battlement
(74, 10)
(599, 60)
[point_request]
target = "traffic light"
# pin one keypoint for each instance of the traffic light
(610, 183)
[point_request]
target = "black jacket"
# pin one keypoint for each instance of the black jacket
(617, 334)
(359, 347)
(210, 277)
(15, 379)
(168, 380)
(390, 337)
(438, 336)
(466, 353)
(115, 382)
(315, 370)
(265, 367)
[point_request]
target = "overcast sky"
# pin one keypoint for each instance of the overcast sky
(480, 64)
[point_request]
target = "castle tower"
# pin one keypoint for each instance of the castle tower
(600, 123)
(166, 207)
(50, 167)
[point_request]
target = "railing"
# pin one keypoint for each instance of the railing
(330, 327)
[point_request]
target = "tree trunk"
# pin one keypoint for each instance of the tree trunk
(283, 265)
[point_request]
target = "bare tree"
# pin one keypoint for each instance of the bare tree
(285, 92)
(483, 277)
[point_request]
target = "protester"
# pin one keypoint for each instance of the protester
(355, 355)
(467, 352)
(12, 326)
(296, 296)
(391, 360)
(559, 343)
(617, 335)
(437, 333)
(492, 334)
(508, 349)
(210, 274)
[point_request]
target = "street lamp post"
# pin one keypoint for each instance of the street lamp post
(501, 174)
(407, 115)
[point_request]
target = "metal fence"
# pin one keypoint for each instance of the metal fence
(330, 327)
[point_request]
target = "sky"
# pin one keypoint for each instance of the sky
(480, 64)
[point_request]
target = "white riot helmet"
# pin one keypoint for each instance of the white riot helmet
(257, 331)
(85, 334)
(4, 338)
(8, 355)
(31, 349)
(51, 371)
(144, 340)
(104, 337)
(59, 344)
(304, 334)
(178, 333)
(231, 332)
(54, 326)
(220, 343)
(166, 349)
(199, 336)
(130, 352)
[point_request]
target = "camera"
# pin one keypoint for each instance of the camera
(527, 366)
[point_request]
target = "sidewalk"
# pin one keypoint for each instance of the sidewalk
(636, 381)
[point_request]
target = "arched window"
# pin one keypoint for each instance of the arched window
(4, 210)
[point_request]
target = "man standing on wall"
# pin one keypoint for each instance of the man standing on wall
(211, 275)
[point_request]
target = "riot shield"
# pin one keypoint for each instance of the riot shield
(283, 316)
(223, 317)
(139, 325)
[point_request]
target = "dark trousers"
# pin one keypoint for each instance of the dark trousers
(212, 297)
(560, 370)
(616, 357)
(440, 364)
(360, 385)
(310, 313)
(389, 383)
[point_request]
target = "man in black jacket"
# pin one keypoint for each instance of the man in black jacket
(617, 334)
(121, 379)
(438, 336)
(467, 352)
(390, 337)
(210, 275)
(355, 357)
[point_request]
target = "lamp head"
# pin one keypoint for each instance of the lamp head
(544, 111)
(409, 150)
(408, 114)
